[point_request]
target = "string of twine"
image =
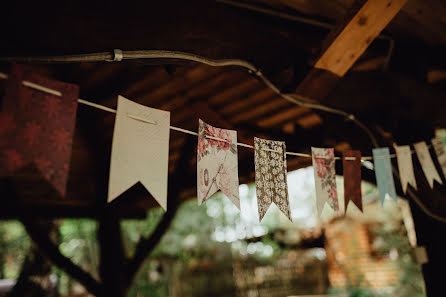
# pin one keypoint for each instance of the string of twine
(111, 110)
(118, 55)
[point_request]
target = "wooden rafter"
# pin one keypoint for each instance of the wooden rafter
(346, 43)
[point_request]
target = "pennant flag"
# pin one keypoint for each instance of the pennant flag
(351, 163)
(271, 169)
(140, 150)
(383, 173)
(426, 163)
(325, 178)
(405, 167)
(217, 165)
(439, 151)
(36, 127)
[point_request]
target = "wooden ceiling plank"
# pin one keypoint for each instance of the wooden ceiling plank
(309, 121)
(260, 110)
(234, 92)
(248, 102)
(281, 117)
(177, 84)
(203, 89)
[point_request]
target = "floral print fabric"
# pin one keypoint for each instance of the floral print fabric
(217, 165)
(271, 169)
(325, 178)
(36, 128)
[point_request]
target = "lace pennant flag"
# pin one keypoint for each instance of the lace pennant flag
(426, 163)
(140, 150)
(439, 151)
(325, 178)
(405, 167)
(37, 127)
(383, 173)
(351, 163)
(217, 165)
(271, 170)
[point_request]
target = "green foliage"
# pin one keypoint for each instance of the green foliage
(394, 240)
(14, 244)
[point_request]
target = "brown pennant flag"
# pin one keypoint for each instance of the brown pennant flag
(351, 162)
(37, 127)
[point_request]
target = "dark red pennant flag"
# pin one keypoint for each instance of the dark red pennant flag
(36, 128)
(351, 163)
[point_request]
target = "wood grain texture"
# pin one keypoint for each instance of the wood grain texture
(357, 35)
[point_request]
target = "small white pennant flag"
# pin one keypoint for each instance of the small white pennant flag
(426, 163)
(439, 151)
(405, 167)
(140, 150)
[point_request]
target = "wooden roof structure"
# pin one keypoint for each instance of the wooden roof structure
(292, 42)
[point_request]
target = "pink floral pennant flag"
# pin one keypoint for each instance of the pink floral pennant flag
(217, 164)
(427, 164)
(405, 167)
(325, 178)
(37, 127)
(140, 150)
(351, 163)
(439, 151)
(271, 170)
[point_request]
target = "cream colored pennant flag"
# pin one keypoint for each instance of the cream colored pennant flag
(439, 151)
(140, 151)
(405, 167)
(426, 163)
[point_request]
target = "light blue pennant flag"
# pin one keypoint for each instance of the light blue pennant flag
(383, 172)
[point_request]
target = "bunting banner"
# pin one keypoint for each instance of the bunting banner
(217, 164)
(383, 173)
(427, 164)
(351, 162)
(405, 167)
(37, 124)
(325, 178)
(140, 150)
(439, 151)
(37, 127)
(271, 171)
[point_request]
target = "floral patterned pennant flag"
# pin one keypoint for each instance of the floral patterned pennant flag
(325, 178)
(383, 173)
(217, 165)
(36, 127)
(140, 150)
(426, 163)
(351, 163)
(271, 169)
(405, 167)
(439, 151)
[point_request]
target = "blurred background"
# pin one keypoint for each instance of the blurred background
(215, 250)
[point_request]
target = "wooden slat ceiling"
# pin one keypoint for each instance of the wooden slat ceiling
(225, 97)
(424, 19)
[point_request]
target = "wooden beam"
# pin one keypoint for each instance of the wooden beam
(346, 43)
(355, 37)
